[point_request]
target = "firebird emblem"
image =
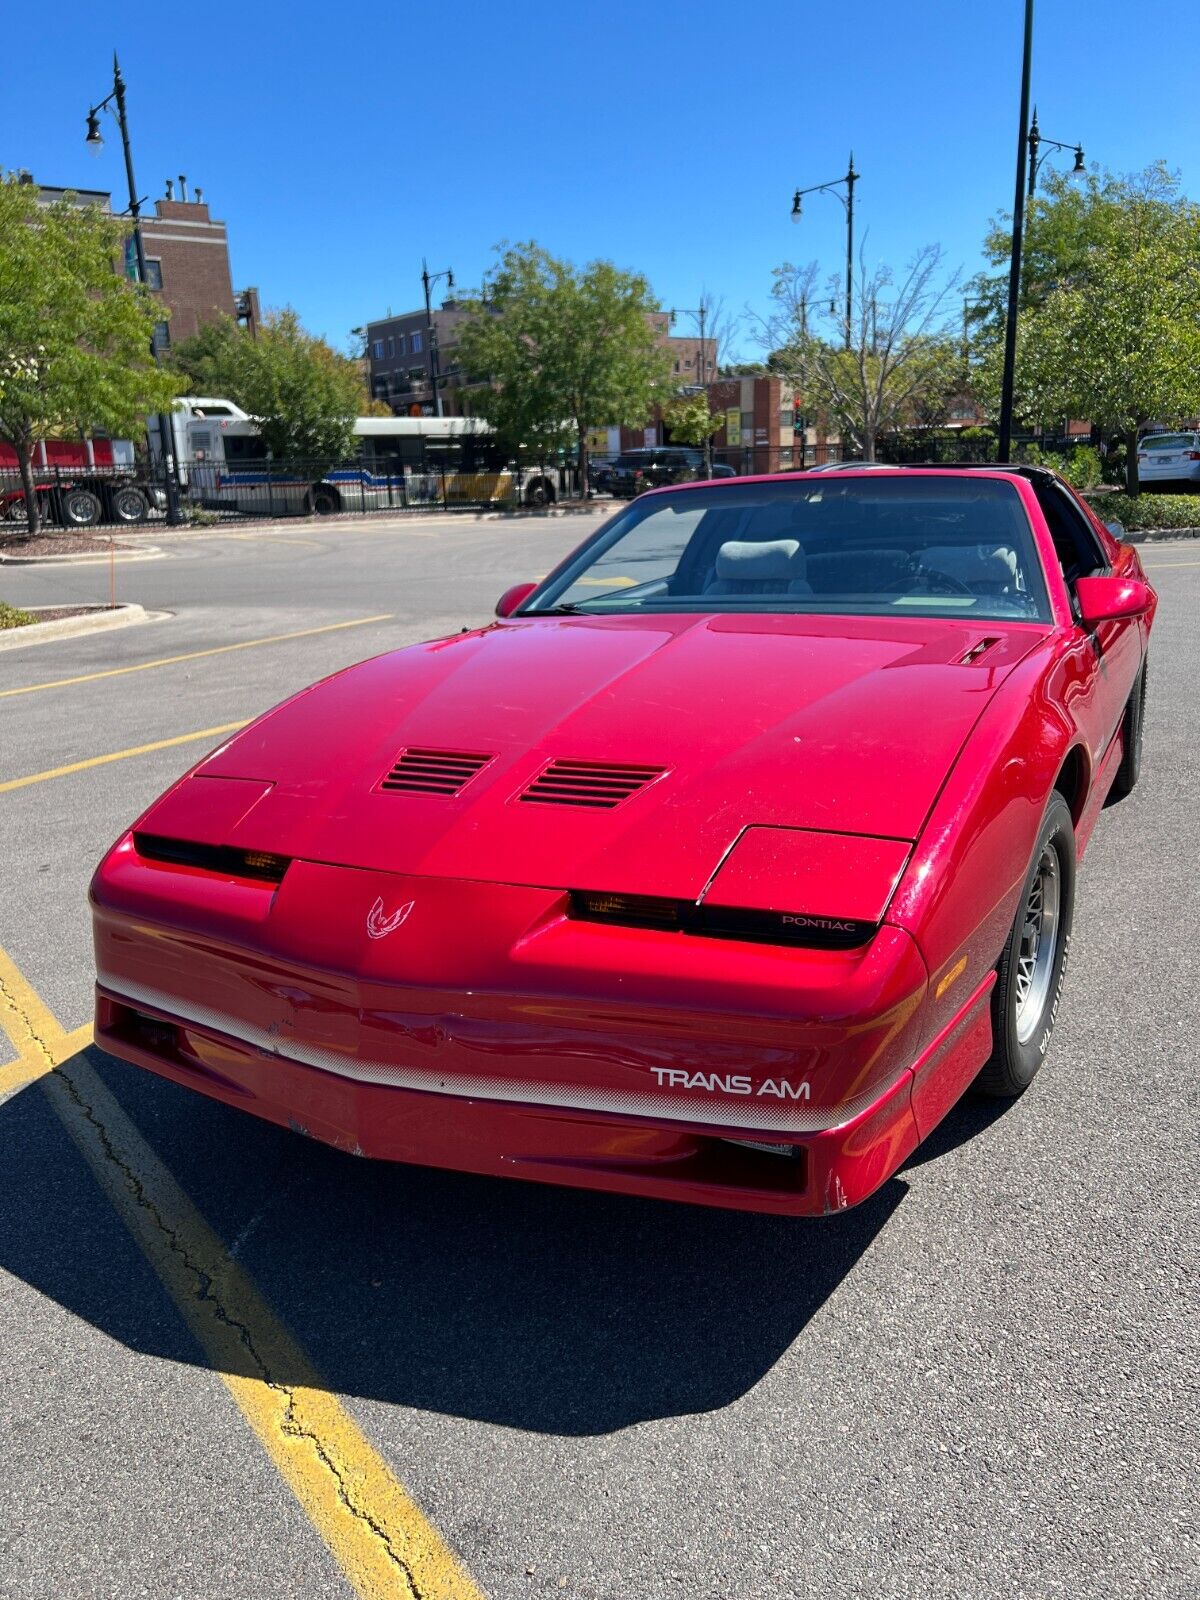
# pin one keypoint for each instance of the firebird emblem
(379, 924)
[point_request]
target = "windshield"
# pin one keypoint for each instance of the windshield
(1169, 441)
(915, 546)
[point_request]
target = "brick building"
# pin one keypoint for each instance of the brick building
(398, 361)
(187, 261)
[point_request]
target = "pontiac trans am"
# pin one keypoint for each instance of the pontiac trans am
(717, 868)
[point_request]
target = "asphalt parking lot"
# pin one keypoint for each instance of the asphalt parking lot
(238, 1363)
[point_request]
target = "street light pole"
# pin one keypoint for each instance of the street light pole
(847, 200)
(135, 210)
(1004, 447)
(1035, 160)
(428, 279)
(700, 312)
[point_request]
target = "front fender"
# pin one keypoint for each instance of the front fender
(958, 896)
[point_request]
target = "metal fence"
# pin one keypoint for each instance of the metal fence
(208, 493)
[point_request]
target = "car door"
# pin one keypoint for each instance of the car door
(1103, 661)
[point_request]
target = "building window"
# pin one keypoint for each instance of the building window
(154, 274)
(162, 338)
(377, 350)
(677, 366)
(391, 348)
(399, 344)
(416, 345)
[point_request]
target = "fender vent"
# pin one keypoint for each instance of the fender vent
(600, 784)
(442, 772)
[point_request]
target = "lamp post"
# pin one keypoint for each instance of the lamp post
(847, 200)
(95, 141)
(428, 279)
(1004, 444)
(1035, 140)
(700, 313)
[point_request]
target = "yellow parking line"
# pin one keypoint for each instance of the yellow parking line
(386, 1546)
(195, 655)
(120, 755)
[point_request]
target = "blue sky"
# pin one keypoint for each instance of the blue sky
(343, 143)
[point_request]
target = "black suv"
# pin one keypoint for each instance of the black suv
(635, 470)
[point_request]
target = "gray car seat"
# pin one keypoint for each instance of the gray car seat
(769, 566)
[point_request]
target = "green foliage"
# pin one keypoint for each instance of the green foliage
(74, 333)
(560, 349)
(11, 617)
(1110, 310)
(303, 393)
(205, 361)
(1083, 468)
(1150, 510)
(981, 443)
(689, 419)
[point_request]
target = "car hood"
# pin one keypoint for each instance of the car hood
(840, 724)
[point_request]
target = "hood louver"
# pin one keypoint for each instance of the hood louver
(440, 772)
(600, 784)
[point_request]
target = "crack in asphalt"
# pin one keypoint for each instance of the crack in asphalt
(291, 1425)
(18, 1011)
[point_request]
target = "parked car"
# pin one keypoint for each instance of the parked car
(637, 470)
(1169, 458)
(716, 870)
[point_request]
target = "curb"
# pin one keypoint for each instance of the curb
(98, 619)
(83, 557)
(1156, 535)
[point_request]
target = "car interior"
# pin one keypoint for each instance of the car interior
(844, 545)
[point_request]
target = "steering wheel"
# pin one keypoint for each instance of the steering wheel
(935, 581)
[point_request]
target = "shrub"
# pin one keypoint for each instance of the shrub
(1150, 511)
(10, 617)
(1083, 467)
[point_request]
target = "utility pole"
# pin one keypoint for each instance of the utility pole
(428, 279)
(1004, 445)
(95, 140)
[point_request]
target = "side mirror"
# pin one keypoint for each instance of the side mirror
(512, 598)
(1108, 599)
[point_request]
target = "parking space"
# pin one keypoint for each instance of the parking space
(242, 1363)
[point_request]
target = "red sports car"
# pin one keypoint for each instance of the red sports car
(716, 869)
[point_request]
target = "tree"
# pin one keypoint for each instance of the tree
(303, 394)
(691, 421)
(902, 364)
(1109, 325)
(1119, 341)
(74, 334)
(561, 350)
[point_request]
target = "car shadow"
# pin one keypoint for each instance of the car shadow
(538, 1308)
(971, 1116)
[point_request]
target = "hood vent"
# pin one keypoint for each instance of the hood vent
(599, 784)
(441, 772)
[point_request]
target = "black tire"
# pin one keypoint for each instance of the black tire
(128, 505)
(538, 493)
(1130, 769)
(79, 508)
(325, 500)
(1027, 991)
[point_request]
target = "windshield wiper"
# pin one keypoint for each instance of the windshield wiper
(567, 609)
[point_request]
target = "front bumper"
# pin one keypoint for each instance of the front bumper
(490, 1033)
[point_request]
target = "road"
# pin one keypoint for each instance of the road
(976, 1385)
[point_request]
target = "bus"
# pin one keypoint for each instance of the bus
(223, 464)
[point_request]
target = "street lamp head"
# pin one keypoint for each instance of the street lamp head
(95, 140)
(449, 280)
(796, 206)
(1078, 171)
